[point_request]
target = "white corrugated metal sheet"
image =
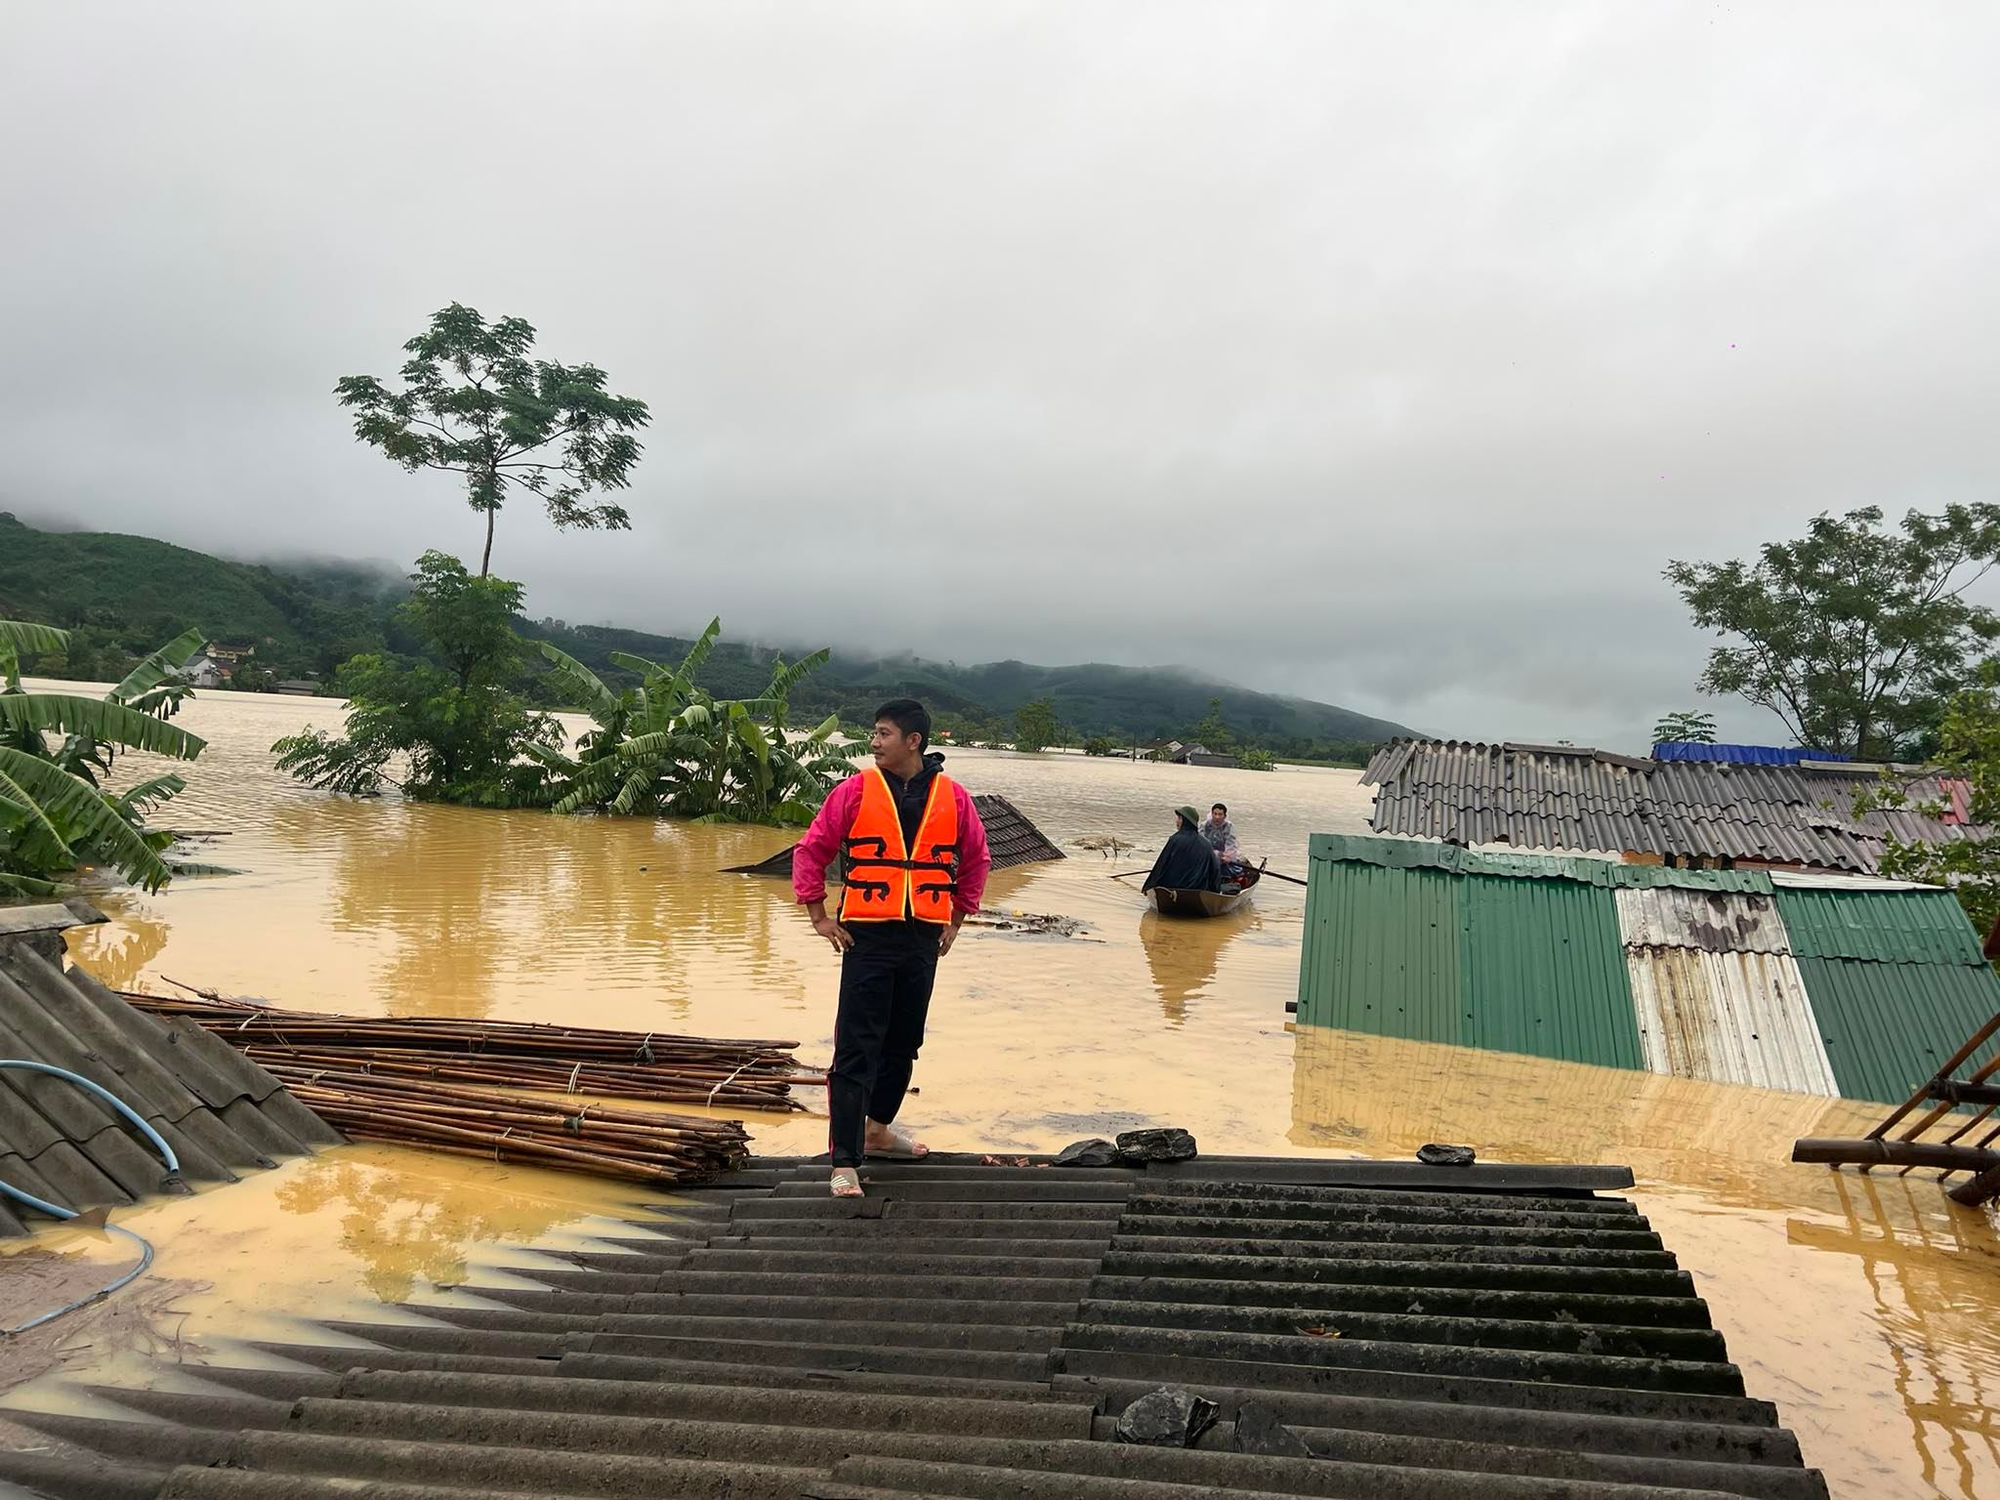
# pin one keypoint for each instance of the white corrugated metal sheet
(1728, 1018)
(1712, 921)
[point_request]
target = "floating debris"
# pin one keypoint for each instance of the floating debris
(1029, 923)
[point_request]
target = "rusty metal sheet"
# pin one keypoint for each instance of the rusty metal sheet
(1712, 921)
(1728, 1018)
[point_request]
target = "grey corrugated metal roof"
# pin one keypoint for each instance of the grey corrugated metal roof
(1551, 797)
(218, 1110)
(1715, 921)
(972, 1331)
(1729, 1017)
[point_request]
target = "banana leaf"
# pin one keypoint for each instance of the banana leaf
(97, 719)
(155, 686)
(53, 799)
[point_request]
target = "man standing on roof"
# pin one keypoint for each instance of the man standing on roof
(915, 864)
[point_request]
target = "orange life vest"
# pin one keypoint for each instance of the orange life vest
(886, 882)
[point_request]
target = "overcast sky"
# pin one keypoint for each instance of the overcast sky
(1379, 353)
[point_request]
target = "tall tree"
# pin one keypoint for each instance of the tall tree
(1685, 726)
(1968, 750)
(474, 403)
(1035, 725)
(1852, 635)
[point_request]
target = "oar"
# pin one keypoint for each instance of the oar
(1274, 875)
(1128, 874)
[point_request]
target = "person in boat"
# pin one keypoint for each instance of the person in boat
(915, 860)
(1188, 862)
(1221, 835)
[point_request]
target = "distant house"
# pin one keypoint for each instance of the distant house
(1690, 814)
(300, 687)
(205, 672)
(1210, 758)
(228, 656)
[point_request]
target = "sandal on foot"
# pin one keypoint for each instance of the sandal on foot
(845, 1183)
(903, 1147)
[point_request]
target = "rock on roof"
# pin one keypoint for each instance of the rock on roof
(1564, 797)
(1488, 1332)
(219, 1111)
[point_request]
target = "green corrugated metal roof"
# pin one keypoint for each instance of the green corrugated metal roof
(1420, 854)
(1898, 927)
(1545, 972)
(1382, 952)
(1508, 964)
(1890, 1026)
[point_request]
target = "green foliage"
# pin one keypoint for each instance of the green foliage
(1685, 726)
(669, 747)
(474, 403)
(251, 678)
(1252, 759)
(53, 814)
(1968, 749)
(464, 736)
(1212, 733)
(1098, 745)
(1852, 635)
(1035, 726)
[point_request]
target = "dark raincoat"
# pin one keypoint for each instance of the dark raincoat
(1188, 863)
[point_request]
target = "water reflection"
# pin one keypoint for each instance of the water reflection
(1182, 955)
(1928, 1276)
(411, 1225)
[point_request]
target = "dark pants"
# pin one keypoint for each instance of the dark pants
(885, 994)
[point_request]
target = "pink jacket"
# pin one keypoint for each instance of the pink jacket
(836, 817)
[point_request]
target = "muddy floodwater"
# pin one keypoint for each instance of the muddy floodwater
(1867, 1307)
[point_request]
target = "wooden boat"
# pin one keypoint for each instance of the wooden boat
(1172, 903)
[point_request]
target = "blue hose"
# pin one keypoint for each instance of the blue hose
(57, 1211)
(159, 1142)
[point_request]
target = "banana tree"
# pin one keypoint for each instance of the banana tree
(53, 817)
(670, 747)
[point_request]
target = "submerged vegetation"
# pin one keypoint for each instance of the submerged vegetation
(669, 747)
(56, 747)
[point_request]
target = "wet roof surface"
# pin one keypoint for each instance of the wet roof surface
(976, 1331)
(221, 1113)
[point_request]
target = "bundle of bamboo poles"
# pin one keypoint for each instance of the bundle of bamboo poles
(721, 1073)
(597, 1138)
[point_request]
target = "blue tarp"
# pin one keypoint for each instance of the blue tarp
(1741, 755)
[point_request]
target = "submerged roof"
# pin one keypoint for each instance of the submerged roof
(1011, 837)
(1362, 1328)
(1564, 797)
(219, 1111)
(1731, 976)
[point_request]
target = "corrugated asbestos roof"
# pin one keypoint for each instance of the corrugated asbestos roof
(1729, 976)
(1011, 837)
(1558, 797)
(219, 1111)
(1484, 1333)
